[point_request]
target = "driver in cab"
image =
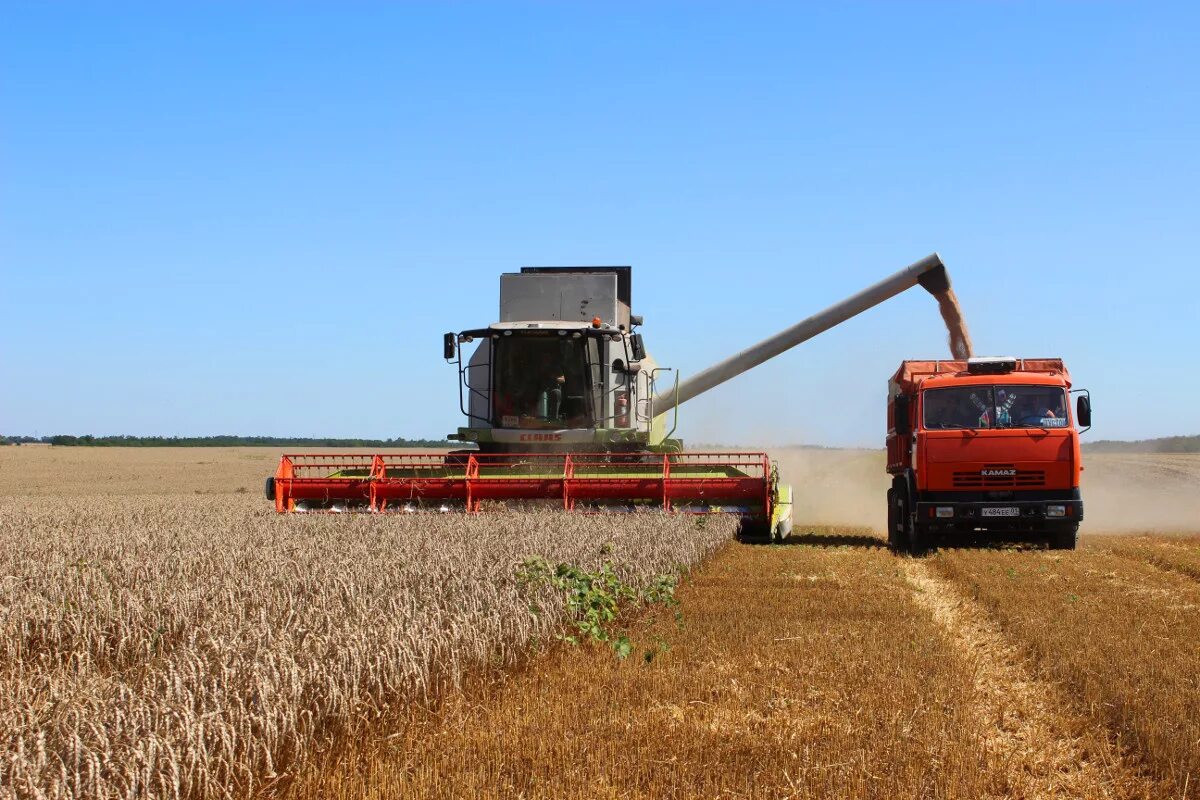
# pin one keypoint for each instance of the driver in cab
(545, 388)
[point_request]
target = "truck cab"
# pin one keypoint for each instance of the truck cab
(984, 445)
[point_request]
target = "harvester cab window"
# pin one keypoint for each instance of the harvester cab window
(541, 381)
(995, 407)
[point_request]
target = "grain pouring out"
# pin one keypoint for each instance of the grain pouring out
(956, 326)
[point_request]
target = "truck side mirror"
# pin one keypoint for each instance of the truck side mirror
(449, 346)
(1083, 411)
(900, 415)
(636, 347)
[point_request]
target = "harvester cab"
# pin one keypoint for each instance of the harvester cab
(564, 408)
(563, 368)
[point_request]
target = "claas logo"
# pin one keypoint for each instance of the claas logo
(541, 437)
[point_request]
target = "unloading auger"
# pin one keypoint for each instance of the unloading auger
(564, 408)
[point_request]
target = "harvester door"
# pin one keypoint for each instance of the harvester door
(476, 378)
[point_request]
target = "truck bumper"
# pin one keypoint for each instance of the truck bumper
(948, 512)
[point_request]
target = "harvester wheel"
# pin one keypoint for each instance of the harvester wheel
(269, 488)
(755, 533)
(1064, 539)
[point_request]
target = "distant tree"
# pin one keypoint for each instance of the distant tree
(65, 440)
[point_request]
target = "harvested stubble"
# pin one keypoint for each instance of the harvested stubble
(1177, 554)
(190, 647)
(799, 671)
(1118, 635)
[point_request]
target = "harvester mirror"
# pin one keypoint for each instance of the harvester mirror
(1083, 410)
(900, 415)
(449, 346)
(636, 347)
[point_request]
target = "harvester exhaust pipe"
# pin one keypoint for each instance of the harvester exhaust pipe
(929, 272)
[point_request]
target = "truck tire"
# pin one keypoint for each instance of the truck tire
(1065, 539)
(895, 532)
(920, 540)
(910, 535)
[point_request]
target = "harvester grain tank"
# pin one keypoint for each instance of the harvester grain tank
(984, 445)
(564, 404)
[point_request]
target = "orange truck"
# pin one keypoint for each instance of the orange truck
(985, 445)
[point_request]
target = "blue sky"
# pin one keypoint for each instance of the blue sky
(258, 219)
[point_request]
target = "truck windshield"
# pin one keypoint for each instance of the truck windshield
(996, 407)
(542, 382)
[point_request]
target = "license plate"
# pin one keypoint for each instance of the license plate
(1001, 511)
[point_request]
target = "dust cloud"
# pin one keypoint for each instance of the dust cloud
(1140, 492)
(835, 487)
(1121, 493)
(956, 326)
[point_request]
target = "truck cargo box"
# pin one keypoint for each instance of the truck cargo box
(912, 373)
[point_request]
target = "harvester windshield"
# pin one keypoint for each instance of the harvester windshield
(544, 381)
(1020, 406)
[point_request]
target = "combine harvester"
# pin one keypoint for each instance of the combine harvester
(563, 406)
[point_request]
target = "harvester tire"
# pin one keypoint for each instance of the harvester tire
(1065, 539)
(269, 489)
(755, 533)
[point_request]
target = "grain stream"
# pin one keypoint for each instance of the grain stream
(956, 325)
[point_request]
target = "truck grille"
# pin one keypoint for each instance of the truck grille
(1016, 479)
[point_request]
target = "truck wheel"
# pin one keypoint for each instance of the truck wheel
(1064, 539)
(895, 517)
(908, 533)
(919, 539)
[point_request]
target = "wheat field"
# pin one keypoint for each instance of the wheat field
(196, 645)
(164, 634)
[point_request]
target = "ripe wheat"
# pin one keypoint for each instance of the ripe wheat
(191, 646)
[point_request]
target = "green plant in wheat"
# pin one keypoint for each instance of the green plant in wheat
(595, 598)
